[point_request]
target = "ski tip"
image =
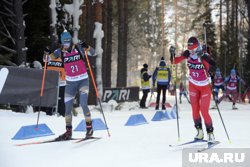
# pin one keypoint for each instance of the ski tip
(215, 142)
(199, 151)
(87, 138)
(26, 144)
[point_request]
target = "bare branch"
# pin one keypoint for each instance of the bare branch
(4, 34)
(5, 14)
(12, 22)
(243, 15)
(10, 12)
(24, 2)
(26, 14)
(7, 3)
(8, 62)
(8, 49)
(8, 33)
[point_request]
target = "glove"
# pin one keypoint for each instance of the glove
(46, 58)
(47, 50)
(46, 54)
(200, 53)
(186, 53)
(84, 45)
(172, 53)
(204, 48)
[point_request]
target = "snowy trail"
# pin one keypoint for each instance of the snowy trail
(145, 145)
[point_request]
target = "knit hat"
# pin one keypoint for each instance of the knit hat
(66, 37)
(162, 62)
(233, 72)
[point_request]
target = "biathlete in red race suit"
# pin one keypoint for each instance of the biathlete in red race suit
(218, 83)
(199, 86)
(231, 83)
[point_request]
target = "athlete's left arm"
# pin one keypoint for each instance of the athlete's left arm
(241, 80)
(207, 58)
(84, 47)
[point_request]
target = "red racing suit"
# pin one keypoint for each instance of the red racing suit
(199, 88)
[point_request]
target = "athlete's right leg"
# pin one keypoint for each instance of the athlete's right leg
(194, 96)
(225, 94)
(70, 92)
(158, 96)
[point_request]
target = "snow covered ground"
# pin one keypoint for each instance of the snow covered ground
(145, 145)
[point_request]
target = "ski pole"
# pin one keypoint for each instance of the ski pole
(42, 88)
(176, 105)
(95, 87)
(174, 68)
(216, 104)
(151, 95)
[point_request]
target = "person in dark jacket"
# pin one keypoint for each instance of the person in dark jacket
(161, 75)
(145, 85)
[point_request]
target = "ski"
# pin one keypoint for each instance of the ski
(190, 142)
(87, 138)
(45, 141)
(209, 146)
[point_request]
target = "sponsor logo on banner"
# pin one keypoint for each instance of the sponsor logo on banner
(121, 94)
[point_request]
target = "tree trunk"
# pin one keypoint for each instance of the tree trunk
(227, 37)
(89, 22)
(247, 74)
(98, 35)
(53, 30)
(18, 30)
(122, 43)
(107, 43)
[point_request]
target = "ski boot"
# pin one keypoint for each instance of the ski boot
(143, 107)
(67, 135)
(89, 129)
(157, 107)
(234, 107)
(200, 134)
(210, 137)
(213, 107)
(163, 107)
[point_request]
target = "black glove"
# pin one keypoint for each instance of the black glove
(84, 45)
(186, 53)
(207, 58)
(204, 48)
(46, 54)
(47, 50)
(200, 53)
(172, 53)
